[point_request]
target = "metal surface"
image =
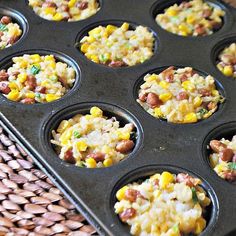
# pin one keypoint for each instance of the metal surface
(159, 143)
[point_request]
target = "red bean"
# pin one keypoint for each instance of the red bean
(182, 96)
(206, 13)
(4, 87)
(185, 178)
(31, 82)
(65, 7)
(68, 156)
(217, 146)
(3, 75)
(125, 146)
(153, 100)
(83, 5)
(142, 97)
(200, 30)
(127, 214)
(131, 195)
(211, 105)
(40, 89)
(183, 78)
(116, 64)
(226, 154)
(28, 101)
(204, 92)
(230, 176)
(6, 20)
(49, 4)
(97, 156)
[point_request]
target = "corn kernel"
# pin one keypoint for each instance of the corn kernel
(125, 26)
(51, 97)
(81, 146)
(121, 193)
(94, 31)
(215, 92)
(110, 29)
(22, 77)
(184, 29)
(190, 19)
(123, 135)
(152, 77)
(165, 97)
(50, 10)
(228, 71)
(14, 95)
(49, 58)
(30, 95)
(96, 112)
(183, 107)
(71, 3)
(187, 85)
(190, 118)
(94, 58)
(23, 64)
(57, 17)
(220, 67)
(84, 47)
(63, 126)
(200, 226)
(65, 137)
(107, 162)
(52, 64)
(35, 58)
(157, 112)
(13, 86)
(171, 12)
(90, 163)
(164, 84)
(165, 179)
(45, 83)
(197, 102)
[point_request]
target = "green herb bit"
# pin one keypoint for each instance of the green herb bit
(232, 165)
(37, 95)
(103, 58)
(76, 134)
(194, 195)
(176, 228)
(35, 69)
(3, 27)
(54, 78)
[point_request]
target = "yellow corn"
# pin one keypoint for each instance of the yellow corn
(164, 84)
(106, 149)
(187, 85)
(190, 19)
(152, 77)
(81, 146)
(71, 3)
(165, 179)
(52, 64)
(220, 67)
(184, 29)
(125, 26)
(165, 97)
(190, 118)
(123, 135)
(110, 29)
(51, 97)
(13, 86)
(107, 162)
(197, 102)
(84, 47)
(228, 71)
(94, 58)
(50, 10)
(36, 58)
(95, 31)
(157, 112)
(215, 92)
(96, 112)
(90, 163)
(183, 107)
(45, 83)
(200, 226)
(171, 12)
(63, 126)
(65, 137)
(49, 58)
(57, 17)
(22, 77)
(121, 193)
(30, 95)
(14, 95)
(23, 64)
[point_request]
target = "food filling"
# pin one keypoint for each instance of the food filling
(93, 140)
(163, 205)
(179, 95)
(118, 46)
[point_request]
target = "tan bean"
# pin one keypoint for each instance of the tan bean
(31, 82)
(3, 75)
(153, 100)
(182, 96)
(185, 178)
(4, 88)
(68, 157)
(83, 5)
(226, 154)
(125, 146)
(127, 214)
(131, 195)
(217, 146)
(142, 97)
(6, 20)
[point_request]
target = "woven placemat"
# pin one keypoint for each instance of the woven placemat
(30, 204)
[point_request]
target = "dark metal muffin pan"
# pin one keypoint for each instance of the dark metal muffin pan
(160, 145)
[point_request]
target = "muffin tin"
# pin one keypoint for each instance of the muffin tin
(160, 145)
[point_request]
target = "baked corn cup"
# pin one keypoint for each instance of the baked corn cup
(191, 18)
(93, 140)
(179, 95)
(163, 205)
(36, 79)
(118, 46)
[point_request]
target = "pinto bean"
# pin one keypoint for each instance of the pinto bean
(226, 154)
(217, 146)
(131, 195)
(125, 146)
(97, 156)
(200, 30)
(28, 101)
(31, 82)
(83, 5)
(65, 7)
(127, 214)
(142, 97)
(153, 100)
(182, 96)
(116, 64)
(3, 75)
(4, 88)
(185, 178)
(6, 20)
(68, 156)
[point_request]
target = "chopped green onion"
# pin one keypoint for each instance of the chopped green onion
(194, 195)
(76, 134)
(37, 95)
(232, 165)
(35, 69)
(3, 27)
(176, 228)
